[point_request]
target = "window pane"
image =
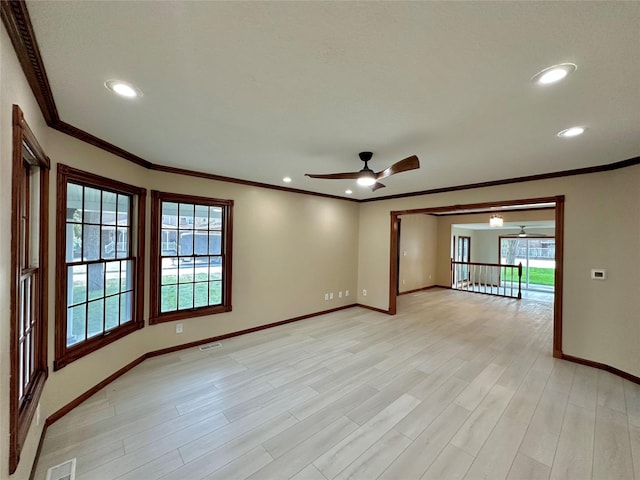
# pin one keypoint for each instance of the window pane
(215, 218)
(215, 270)
(215, 293)
(96, 315)
(91, 240)
(215, 243)
(169, 273)
(186, 271)
(126, 275)
(168, 298)
(202, 271)
(202, 217)
(170, 211)
(124, 209)
(185, 246)
(169, 247)
(201, 294)
(73, 242)
(77, 278)
(112, 311)
(109, 242)
(123, 242)
(113, 278)
(96, 281)
(186, 215)
(92, 205)
(185, 296)
(74, 202)
(200, 243)
(125, 307)
(109, 204)
(76, 317)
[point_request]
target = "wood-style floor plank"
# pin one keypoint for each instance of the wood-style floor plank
(455, 386)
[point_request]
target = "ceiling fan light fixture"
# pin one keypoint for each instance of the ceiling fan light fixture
(367, 179)
(496, 220)
(554, 73)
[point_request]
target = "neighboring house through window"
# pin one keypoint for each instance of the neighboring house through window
(190, 256)
(100, 261)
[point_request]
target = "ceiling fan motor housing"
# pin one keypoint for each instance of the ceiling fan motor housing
(365, 156)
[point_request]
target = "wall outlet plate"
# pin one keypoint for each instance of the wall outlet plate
(179, 328)
(598, 274)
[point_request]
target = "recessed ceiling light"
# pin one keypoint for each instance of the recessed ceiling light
(286, 179)
(553, 74)
(348, 192)
(124, 89)
(571, 132)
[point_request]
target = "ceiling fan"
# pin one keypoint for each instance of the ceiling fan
(367, 177)
(523, 234)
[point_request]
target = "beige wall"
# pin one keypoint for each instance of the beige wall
(417, 267)
(288, 251)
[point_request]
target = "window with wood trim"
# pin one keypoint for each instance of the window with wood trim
(100, 261)
(190, 256)
(28, 304)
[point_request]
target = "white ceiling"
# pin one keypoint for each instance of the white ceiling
(263, 90)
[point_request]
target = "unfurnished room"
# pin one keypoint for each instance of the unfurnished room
(319, 240)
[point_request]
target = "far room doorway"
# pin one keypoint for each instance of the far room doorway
(446, 216)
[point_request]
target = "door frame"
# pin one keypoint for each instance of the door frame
(559, 235)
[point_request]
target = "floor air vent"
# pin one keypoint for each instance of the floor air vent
(64, 471)
(210, 346)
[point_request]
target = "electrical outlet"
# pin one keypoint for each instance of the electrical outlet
(403, 281)
(429, 277)
(331, 296)
(179, 328)
(326, 296)
(364, 292)
(340, 294)
(346, 293)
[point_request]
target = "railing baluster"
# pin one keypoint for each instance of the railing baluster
(482, 277)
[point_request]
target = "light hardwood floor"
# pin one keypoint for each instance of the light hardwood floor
(456, 385)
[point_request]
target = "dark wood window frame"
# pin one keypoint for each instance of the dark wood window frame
(156, 316)
(63, 354)
(27, 155)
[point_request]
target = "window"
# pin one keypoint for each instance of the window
(190, 256)
(100, 245)
(28, 304)
(537, 255)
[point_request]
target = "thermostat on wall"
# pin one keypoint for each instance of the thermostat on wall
(598, 274)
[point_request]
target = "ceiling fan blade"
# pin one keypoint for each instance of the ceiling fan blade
(376, 186)
(334, 176)
(409, 163)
